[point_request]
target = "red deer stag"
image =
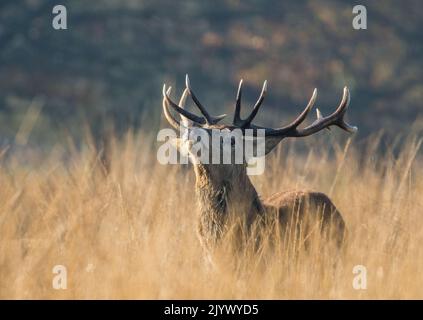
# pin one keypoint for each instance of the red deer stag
(222, 189)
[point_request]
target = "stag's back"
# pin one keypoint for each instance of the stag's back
(308, 212)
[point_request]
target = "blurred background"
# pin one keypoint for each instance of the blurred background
(107, 69)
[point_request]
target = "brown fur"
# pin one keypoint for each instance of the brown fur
(308, 206)
(225, 189)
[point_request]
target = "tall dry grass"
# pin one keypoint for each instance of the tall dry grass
(132, 233)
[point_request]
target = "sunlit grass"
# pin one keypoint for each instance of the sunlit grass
(131, 233)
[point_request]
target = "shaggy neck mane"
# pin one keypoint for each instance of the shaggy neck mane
(219, 196)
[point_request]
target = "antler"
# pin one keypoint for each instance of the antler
(209, 119)
(336, 118)
(291, 130)
(237, 117)
(167, 101)
(187, 116)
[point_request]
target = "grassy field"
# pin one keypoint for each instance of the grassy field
(132, 233)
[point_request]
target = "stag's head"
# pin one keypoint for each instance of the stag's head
(195, 129)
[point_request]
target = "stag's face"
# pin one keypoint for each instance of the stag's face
(217, 145)
(216, 151)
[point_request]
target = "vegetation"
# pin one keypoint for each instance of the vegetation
(79, 113)
(120, 236)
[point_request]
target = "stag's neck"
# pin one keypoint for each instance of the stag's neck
(221, 197)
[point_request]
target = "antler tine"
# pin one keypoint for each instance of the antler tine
(197, 102)
(196, 119)
(237, 114)
(208, 118)
(342, 109)
(300, 119)
(169, 117)
(256, 108)
(185, 121)
(319, 116)
(294, 124)
(336, 118)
